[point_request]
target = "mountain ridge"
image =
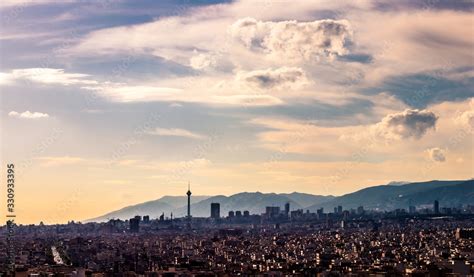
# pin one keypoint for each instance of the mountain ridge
(389, 197)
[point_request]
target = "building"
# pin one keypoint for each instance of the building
(436, 207)
(215, 210)
(339, 209)
(319, 212)
(189, 200)
(272, 211)
(231, 214)
(238, 213)
(296, 214)
(465, 233)
(146, 219)
(287, 209)
(134, 225)
(412, 209)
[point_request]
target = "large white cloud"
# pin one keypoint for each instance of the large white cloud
(293, 40)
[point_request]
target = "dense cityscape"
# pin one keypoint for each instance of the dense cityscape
(321, 138)
(433, 241)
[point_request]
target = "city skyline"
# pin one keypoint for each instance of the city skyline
(131, 99)
(401, 197)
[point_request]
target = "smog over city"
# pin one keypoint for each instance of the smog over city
(236, 137)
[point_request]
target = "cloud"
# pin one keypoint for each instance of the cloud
(20, 4)
(148, 38)
(28, 115)
(5, 78)
(423, 89)
(139, 93)
(175, 133)
(466, 118)
(58, 161)
(293, 40)
(444, 34)
(248, 100)
(49, 76)
(211, 90)
(437, 154)
(203, 61)
(407, 124)
(281, 78)
(175, 105)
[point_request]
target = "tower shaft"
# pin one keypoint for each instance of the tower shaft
(189, 205)
(189, 200)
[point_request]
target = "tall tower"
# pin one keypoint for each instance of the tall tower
(189, 200)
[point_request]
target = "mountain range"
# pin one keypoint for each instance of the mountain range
(384, 197)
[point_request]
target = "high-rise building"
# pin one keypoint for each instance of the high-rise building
(436, 207)
(238, 213)
(412, 209)
(231, 214)
(246, 213)
(287, 208)
(215, 210)
(272, 211)
(339, 209)
(146, 219)
(134, 225)
(320, 213)
(189, 200)
(296, 214)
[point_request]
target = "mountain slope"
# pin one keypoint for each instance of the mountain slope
(389, 197)
(449, 196)
(154, 208)
(180, 201)
(306, 199)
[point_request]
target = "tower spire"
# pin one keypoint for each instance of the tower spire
(189, 200)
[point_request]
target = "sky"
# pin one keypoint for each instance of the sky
(105, 104)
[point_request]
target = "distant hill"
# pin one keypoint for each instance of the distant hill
(385, 197)
(180, 201)
(305, 199)
(389, 197)
(154, 208)
(254, 202)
